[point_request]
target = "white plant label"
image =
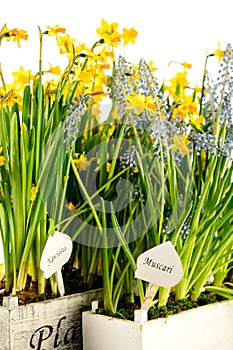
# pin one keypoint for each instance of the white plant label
(160, 265)
(56, 253)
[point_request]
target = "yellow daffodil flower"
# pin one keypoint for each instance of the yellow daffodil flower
(108, 54)
(102, 65)
(81, 162)
(11, 97)
(4, 32)
(22, 77)
(199, 89)
(34, 191)
(83, 49)
(129, 35)
(71, 206)
(152, 67)
(104, 55)
(140, 102)
(186, 65)
(180, 144)
(19, 35)
(177, 85)
(115, 113)
(186, 107)
(109, 33)
(85, 77)
(50, 89)
(108, 166)
(55, 30)
(65, 43)
(196, 120)
(15, 34)
(54, 70)
(2, 160)
(219, 53)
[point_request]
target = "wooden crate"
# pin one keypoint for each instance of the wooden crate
(47, 325)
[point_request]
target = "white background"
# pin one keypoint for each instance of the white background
(181, 30)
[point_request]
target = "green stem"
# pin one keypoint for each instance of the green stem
(86, 195)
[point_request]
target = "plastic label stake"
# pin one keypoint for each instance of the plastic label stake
(56, 253)
(160, 266)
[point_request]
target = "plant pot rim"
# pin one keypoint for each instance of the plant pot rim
(184, 312)
(12, 301)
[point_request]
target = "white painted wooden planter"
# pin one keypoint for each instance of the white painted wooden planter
(46, 325)
(207, 327)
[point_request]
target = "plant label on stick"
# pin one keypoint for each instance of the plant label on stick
(160, 266)
(56, 253)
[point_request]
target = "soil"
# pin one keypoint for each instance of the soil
(173, 306)
(73, 283)
(126, 309)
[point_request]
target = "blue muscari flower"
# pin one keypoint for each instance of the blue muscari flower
(203, 141)
(160, 133)
(225, 84)
(142, 121)
(138, 194)
(148, 83)
(163, 132)
(207, 143)
(185, 229)
(229, 142)
(218, 99)
(129, 158)
(166, 229)
(226, 110)
(75, 112)
(123, 84)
